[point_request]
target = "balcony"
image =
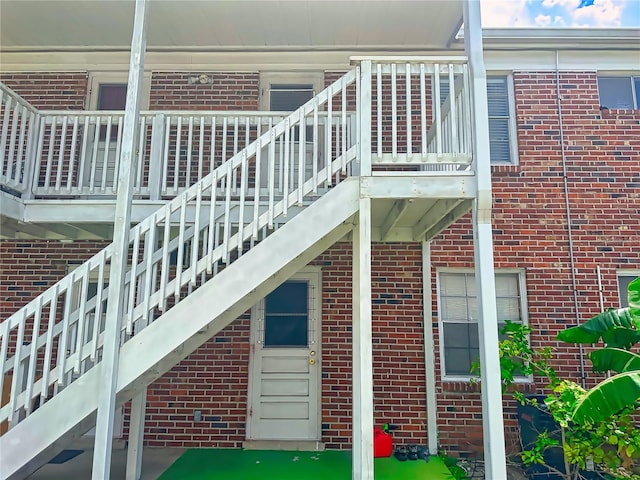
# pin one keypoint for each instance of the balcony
(61, 166)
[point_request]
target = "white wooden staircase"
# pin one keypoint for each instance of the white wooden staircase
(196, 264)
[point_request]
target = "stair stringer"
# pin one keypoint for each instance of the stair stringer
(170, 339)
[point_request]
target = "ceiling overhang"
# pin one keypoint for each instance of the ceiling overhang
(227, 25)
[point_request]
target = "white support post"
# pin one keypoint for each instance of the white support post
(111, 346)
(429, 351)
(362, 347)
(492, 415)
(365, 118)
(136, 436)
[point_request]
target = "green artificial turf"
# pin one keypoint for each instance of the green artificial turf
(227, 464)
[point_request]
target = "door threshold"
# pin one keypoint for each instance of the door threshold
(293, 445)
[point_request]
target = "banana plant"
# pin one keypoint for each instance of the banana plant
(620, 331)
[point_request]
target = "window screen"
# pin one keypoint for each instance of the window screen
(623, 288)
(288, 97)
(286, 320)
(458, 305)
(618, 92)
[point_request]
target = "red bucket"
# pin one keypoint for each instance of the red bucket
(382, 443)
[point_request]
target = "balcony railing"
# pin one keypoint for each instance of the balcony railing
(416, 121)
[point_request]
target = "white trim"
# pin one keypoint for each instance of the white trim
(96, 78)
(513, 128)
(521, 278)
(624, 272)
(429, 350)
(315, 78)
(530, 57)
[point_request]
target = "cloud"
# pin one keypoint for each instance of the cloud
(560, 13)
(600, 13)
(501, 13)
(543, 20)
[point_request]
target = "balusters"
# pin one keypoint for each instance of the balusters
(17, 371)
(72, 158)
(150, 276)
(196, 236)
(5, 131)
(48, 346)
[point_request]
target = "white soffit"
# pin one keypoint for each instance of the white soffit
(230, 24)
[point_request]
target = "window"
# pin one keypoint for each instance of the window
(286, 316)
(502, 128)
(458, 316)
(111, 96)
(619, 92)
(284, 92)
(624, 279)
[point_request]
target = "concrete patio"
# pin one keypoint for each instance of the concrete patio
(154, 462)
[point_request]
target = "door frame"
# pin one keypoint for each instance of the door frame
(313, 274)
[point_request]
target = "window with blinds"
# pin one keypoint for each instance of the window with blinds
(502, 137)
(458, 316)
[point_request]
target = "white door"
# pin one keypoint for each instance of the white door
(285, 92)
(108, 93)
(284, 386)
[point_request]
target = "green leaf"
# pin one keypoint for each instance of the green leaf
(634, 300)
(621, 337)
(614, 359)
(608, 398)
(593, 329)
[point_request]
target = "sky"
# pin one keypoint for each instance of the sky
(560, 13)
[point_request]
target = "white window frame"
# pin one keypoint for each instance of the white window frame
(624, 273)
(524, 314)
(635, 94)
(314, 78)
(513, 129)
(98, 78)
(512, 126)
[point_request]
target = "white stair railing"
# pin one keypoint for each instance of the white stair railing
(55, 338)
(417, 121)
(18, 131)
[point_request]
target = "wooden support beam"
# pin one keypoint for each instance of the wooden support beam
(434, 215)
(392, 219)
(429, 351)
(111, 347)
(447, 220)
(136, 436)
(436, 186)
(362, 347)
(491, 392)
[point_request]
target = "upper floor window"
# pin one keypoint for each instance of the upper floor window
(502, 128)
(619, 92)
(458, 316)
(624, 279)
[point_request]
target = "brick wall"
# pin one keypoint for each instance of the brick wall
(49, 91)
(29, 267)
(530, 233)
(214, 378)
(530, 224)
(229, 91)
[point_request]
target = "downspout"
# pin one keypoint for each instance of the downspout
(574, 282)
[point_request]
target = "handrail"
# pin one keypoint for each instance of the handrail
(171, 254)
(17, 140)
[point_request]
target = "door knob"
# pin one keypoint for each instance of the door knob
(312, 361)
